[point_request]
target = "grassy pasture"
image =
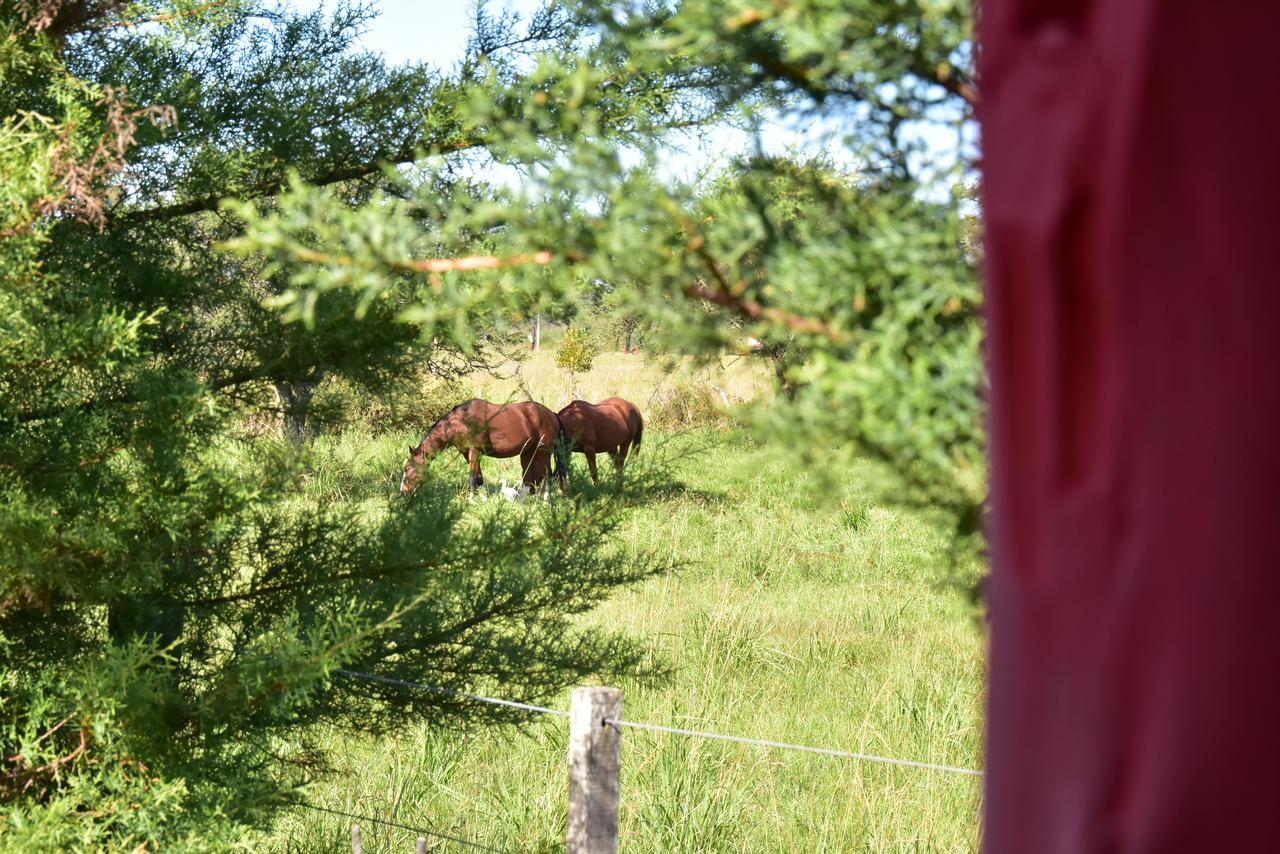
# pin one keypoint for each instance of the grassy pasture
(664, 393)
(809, 610)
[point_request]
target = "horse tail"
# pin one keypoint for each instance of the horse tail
(560, 450)
(635, 446)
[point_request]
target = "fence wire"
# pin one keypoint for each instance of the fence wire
(738, 739)
(421, 831)
(826, 751)
(529, 707)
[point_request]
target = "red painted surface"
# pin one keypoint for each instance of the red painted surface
(1132, 201)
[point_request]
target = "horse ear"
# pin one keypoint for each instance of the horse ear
(411, 450)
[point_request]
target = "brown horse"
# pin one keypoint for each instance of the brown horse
(478, 428)
(612, 426)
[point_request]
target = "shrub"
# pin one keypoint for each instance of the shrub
(577, 351)
(686, 405)
(412, 403)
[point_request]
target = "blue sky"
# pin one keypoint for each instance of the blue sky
(432, 31)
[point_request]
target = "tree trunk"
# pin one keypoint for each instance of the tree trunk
(295, 399)
(631, 329)
(778, 354)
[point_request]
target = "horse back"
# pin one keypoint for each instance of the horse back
(511, 428)
(578, 420)
(617, 423)
(626, 412)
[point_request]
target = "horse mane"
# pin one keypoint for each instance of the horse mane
(440, 420)
(433, 427)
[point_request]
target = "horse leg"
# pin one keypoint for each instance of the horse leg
(620, 456)
(591, 464)
(530, 473)
(477, 477)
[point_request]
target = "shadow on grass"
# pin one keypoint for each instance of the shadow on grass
(651, 478)
(649, 490)
(673, 490)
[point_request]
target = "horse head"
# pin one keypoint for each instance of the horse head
(413, 467)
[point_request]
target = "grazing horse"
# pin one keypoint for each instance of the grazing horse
(478, 428)
(612, 426)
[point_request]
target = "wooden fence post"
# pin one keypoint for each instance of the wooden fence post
(595, 756)
(356, 846)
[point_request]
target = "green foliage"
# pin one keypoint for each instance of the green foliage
(576, 351)
(894, 361)
(173, 599)
(875, 68)
(416, 399)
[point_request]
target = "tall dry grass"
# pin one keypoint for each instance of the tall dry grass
(676, 394)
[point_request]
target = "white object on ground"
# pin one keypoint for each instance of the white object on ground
(510, 493)
(513, 494)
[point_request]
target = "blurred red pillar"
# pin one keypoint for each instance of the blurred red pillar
(1131, 154)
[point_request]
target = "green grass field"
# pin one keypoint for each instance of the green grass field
(804, 612)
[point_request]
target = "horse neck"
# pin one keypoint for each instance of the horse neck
(438, 437)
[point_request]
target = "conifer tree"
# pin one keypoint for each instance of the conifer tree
(173, 603)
